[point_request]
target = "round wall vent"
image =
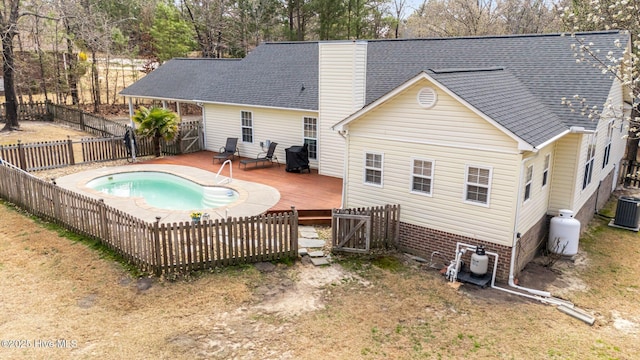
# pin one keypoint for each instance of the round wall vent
(427, 97)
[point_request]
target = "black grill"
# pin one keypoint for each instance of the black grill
(297, 158)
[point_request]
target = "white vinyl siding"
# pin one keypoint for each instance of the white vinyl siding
(433, 137)
(246, 118)
(566, 174)
(477, 185)
(276, 125)
(445, 210)
(572, 154)
(373, 163)
(535, 208)
(342, 80)
(445, 120)
(421, 176)
(310, 136)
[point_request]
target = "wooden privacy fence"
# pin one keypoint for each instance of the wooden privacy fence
(155, 247)
(630, 173)
(86, 122)
(188, 140)
(28, 112)
(362, 229)
(61, 153)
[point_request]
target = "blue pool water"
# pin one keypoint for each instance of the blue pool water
(164, 190)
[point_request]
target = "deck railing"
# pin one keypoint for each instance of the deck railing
(157, 248)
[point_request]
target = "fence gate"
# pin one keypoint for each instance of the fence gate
(351, 232)
(190, 139)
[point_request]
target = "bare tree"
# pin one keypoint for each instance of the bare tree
(9, 15)
(207, 17)
(399, 7)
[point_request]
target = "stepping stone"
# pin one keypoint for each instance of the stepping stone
(316, 254)
(302, 251)
(319, 261)
(144, 284)
(310, 243)
(308, 232)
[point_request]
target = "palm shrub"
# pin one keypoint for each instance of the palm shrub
(157, 123)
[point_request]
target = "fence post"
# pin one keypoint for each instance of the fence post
(55, 194)
(72, 160)
(157, 266)
(81, 121)
(103, 220)
(113, 148)
(21, 156)
(294, 232)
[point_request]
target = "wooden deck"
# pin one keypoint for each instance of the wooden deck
(304, 191)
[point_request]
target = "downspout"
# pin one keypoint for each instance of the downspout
(516, 238)
(345, 166)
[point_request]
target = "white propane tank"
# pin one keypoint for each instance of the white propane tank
(479, 262)
(564, 234)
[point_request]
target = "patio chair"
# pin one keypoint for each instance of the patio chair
(262, 159)
(228, 151)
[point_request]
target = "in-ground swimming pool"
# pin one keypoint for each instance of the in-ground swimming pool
(163, 190)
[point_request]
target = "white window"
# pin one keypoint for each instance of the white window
(477, 185)
(528, 181)
(310, 136)
(247, 126)
(422, 176)
(373, 169)
(545, 172)
(607, 147)
(588, 166)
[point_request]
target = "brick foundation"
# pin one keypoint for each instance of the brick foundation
(422, 241)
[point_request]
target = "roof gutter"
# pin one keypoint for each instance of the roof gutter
(552, 140)
(580, 130)
(193, 101)
(572, 130)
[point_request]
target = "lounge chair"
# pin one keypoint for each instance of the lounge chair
(228, 151)
(263, 159)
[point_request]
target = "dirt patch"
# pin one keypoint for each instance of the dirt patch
(38, 131)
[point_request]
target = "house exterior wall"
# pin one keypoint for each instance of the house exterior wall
(282, 126)
(435, 135)
(532, 209)
(564, 172)
(571, 156)
(342, 86)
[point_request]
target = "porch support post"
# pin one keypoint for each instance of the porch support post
(133, 128)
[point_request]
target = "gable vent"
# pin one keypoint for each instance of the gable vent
(427, 97)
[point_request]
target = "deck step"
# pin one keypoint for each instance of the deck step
(313, 217)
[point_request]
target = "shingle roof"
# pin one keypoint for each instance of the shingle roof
(495, 92)
(272, 75)
(524, 97)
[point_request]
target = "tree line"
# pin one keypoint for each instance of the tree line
(49, 46)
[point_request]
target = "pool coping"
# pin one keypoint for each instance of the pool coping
(253, 199)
